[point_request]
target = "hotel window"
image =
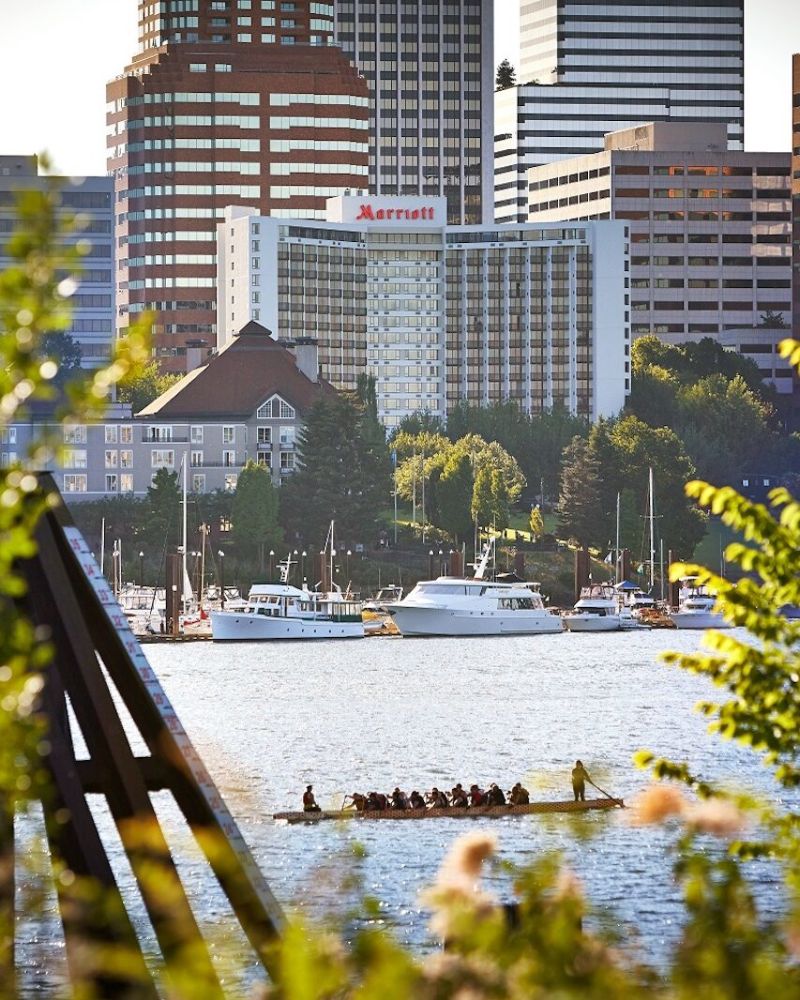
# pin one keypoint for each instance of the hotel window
(126, 434)
(196, 435)
(229, 459)
(230, 482)
(74, 484)
(286, 411)
(126, 460)
(287, 437)
(8, 435)
(264, 435)
(111, 483)
(223, 68)
(111, 433)
(265, 458)
(228, 435)
(74, 434)
(245, 22)
(198, 483)
(196, 458)
(126, 483)
(160, 459)
(287, 461)
(112, 459)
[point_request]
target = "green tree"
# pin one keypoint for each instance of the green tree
(506, 76)
(65, 351)
(142, 387)
(712, 413)
(343, 473)
(481, 506)
(579, 511)
(772, 320)
(500, 502)
(163, 506)
(254, 514)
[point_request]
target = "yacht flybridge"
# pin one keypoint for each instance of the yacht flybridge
(473, 606)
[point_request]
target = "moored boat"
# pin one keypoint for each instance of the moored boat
(473, 812)
(281, 611)
(596, 610)
(696, 610)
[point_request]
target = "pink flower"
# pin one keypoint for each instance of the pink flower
(716, 816)
(657, 803)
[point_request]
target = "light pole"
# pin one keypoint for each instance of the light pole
(221, 555)
(141, 569)
(441, 566)
(349, 553)
(302, 566)
(271, 562)
(430, 564)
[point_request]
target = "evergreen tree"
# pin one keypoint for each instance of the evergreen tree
(536, 523)
(506, 76)
(254, 514)
(580, 500)
(163, 503)
(343, 474)
(455, 497)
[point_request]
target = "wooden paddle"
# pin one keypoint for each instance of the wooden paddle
(604, 792)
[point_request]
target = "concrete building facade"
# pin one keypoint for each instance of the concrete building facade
(226, 104)
(92, 198)
(430, 68)
(710, 228)
(439, 314)
(593, 67)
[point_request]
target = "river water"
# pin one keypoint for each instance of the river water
(270, 718)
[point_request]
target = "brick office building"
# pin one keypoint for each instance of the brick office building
(228, 102)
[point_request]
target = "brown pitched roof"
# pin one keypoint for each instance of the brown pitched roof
(235, 382)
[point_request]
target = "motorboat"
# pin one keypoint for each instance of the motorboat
(473, 606)
(696, 610)
(596, 610)
(282, 611)
(467, 606)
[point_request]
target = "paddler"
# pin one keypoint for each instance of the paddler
(579, 778)
(358, 801)
(309, 802)
(519, 796)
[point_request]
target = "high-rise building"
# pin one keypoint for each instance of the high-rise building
(92, 325)
(439, 314)
(431, 76)
(796, 194)
(710, 232)
(592, 67)
(229, 102)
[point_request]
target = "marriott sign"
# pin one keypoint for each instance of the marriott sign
(401, 211)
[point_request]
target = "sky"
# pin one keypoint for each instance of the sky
(57, 55)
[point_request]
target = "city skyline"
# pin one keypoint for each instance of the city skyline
(69, 121)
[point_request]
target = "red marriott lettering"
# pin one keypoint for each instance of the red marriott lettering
(395, 214)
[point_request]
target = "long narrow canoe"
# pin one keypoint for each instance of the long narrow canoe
(566, 806)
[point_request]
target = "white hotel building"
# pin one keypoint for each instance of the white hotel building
(537, 315)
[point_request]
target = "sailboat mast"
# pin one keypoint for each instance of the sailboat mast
(183, 578)
(652, 533)
(616, 548)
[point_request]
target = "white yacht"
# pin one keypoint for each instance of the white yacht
(459, 606)
(596, 610)
(281, 611)
(464, 606)
(696, 610)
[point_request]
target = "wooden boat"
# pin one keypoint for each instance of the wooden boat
(474, 812)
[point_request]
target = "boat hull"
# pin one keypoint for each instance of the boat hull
(697, 619)
(592, 623)
(228, 626)
(475, 812)
(421, 621)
